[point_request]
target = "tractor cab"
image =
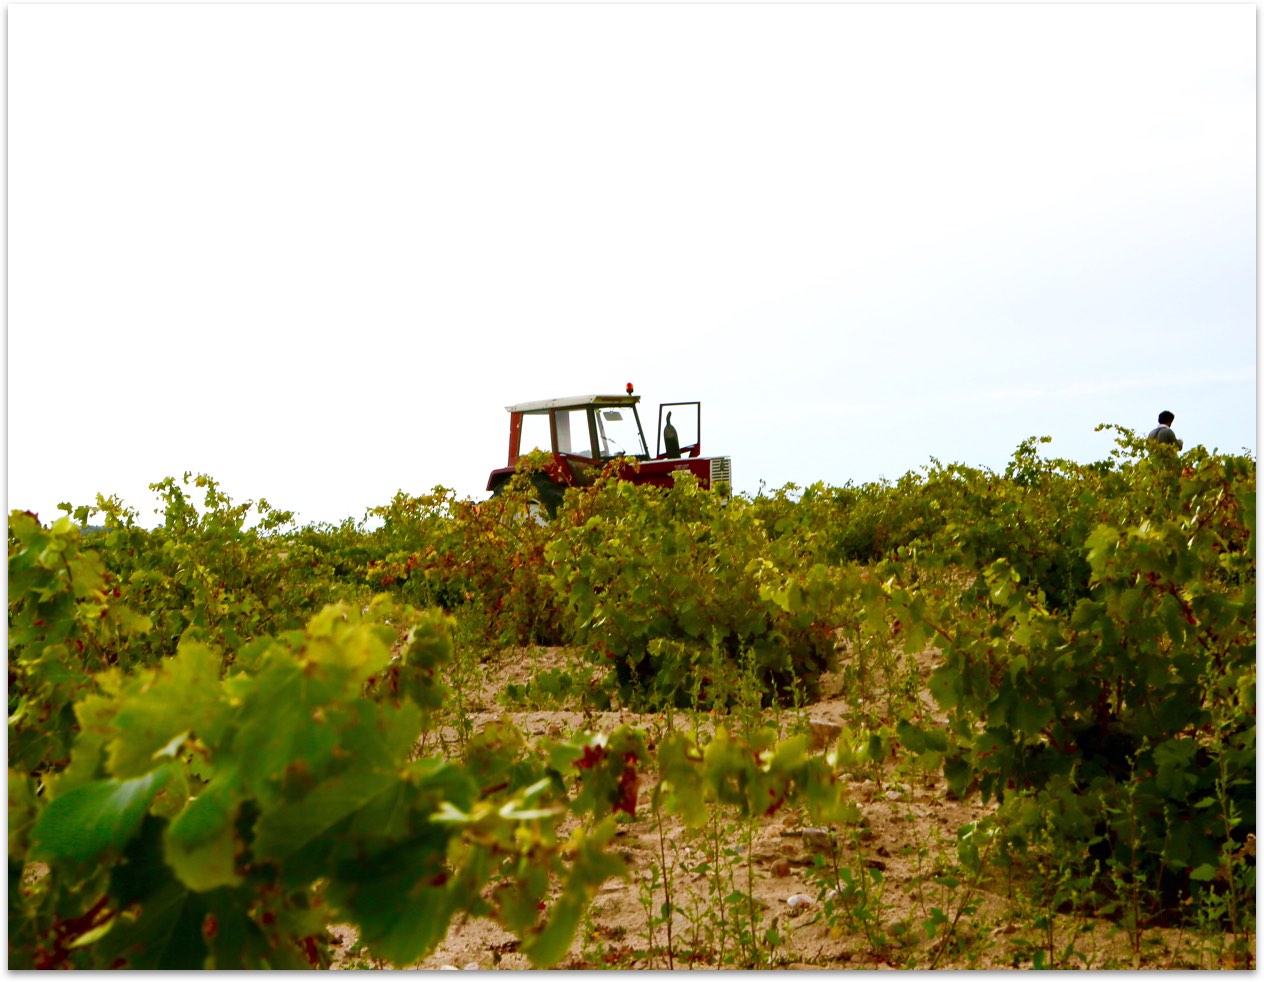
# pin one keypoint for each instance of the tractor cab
(583, 433)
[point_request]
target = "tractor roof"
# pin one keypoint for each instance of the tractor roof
(573, 402)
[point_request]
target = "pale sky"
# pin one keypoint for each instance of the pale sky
(315, 250)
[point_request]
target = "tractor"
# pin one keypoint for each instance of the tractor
(582, 434)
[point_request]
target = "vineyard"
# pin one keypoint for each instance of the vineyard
(966, 719)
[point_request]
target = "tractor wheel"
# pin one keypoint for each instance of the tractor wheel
(548, 493)
(547, 498)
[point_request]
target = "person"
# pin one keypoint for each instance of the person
(1163, 432)
(671, 440)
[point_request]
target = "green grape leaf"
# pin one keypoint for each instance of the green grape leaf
(292, 825)
(22, 812)
(726, 766)
(208, 866)
(921, 741)
(401, 896)
(201, 844)
(944, 684)
(167, 935)
(1101, 546)
(680, 781)
(181, 696)
(1030, 714)
(427, 649)
(1177, 774)
(84, 822)
(958, 773)
(236, 941)
(284, 728)
(591, 867)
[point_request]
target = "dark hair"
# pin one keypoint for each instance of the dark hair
(1165, 418)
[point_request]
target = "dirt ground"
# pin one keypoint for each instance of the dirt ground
(906, 841)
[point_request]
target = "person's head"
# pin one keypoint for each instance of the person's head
(1165, 418)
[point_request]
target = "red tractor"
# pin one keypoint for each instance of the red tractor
(584, 433)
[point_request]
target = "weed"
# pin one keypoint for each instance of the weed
(975, 843)
(1057, 882)
(850, 894)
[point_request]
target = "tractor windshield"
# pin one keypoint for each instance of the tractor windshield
(619, 432)
(535, 433)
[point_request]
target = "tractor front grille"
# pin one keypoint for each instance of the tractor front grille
(722, 471)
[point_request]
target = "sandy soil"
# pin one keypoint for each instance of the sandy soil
(908, 837)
